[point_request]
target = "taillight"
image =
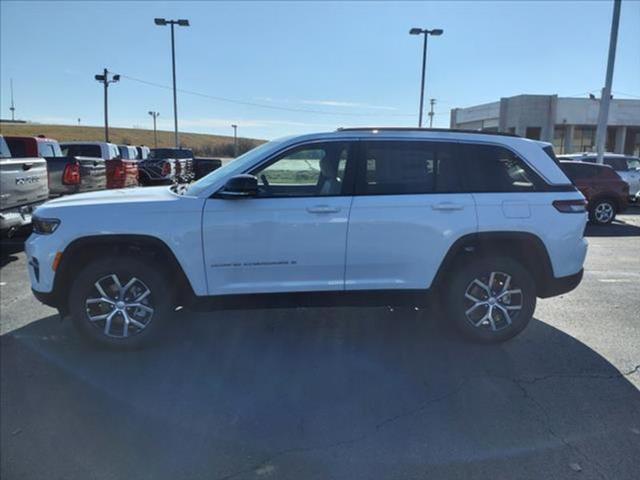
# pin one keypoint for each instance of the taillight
(571, 206)
(71, 174)
(166, 169)
(119, 172)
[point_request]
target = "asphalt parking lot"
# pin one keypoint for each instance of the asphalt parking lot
(342, 393)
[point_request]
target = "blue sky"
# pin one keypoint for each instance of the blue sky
(354, 62)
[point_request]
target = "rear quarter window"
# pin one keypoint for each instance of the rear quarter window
(492, 168)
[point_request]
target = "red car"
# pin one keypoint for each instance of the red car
(603, 188)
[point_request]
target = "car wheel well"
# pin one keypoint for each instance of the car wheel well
(602, 197)
(81, 251)
(525, 248)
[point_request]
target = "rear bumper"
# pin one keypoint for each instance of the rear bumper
(557, 286)
(17, 217)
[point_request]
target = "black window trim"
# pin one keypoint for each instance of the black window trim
(540, 184)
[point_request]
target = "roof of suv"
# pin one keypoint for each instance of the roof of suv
(420, 129)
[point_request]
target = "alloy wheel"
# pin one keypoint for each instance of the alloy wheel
(604, 212)
(119, 310)
(493, 302)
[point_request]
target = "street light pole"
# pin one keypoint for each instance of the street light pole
(426, 33)
(235, 140)
(104, 79)
(155, 132)
(605, 97)
(173, 23)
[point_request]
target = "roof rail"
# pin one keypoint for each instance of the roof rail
(419, 129)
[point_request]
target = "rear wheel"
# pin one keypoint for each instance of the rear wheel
(602, 212)
(119, 302)
(491, 300)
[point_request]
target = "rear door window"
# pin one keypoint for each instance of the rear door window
(397, 168)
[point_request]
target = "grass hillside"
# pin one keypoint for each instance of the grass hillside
(201, 144)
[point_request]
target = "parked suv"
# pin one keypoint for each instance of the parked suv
(603, 188)
(487, 222)
(23, 186)
(121, 172)
(66, 174)
(626, 166)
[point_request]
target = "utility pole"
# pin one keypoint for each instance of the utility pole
(12, 107)
(432, 102)
(605, 97)
(155, 132)
(104, 79)
(235, 140)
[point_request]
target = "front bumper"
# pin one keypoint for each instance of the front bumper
(557, 286)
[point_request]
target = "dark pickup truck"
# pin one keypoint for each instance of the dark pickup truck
(181, 160)
(67, 173)
(23, 186)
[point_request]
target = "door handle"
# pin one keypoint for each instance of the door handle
(323, 209)
(447, 206)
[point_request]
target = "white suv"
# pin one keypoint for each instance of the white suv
(487, 221)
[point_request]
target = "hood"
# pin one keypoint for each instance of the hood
(120, 196)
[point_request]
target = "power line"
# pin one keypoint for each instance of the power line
(632, 95)
(262, 105)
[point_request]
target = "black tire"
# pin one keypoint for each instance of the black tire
(497, 328)
(132, 336)
(603, 211)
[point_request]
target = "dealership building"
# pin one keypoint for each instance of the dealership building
(568, 123)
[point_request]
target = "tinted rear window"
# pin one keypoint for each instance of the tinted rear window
(17, 147)
(170, 153)
(82, 151)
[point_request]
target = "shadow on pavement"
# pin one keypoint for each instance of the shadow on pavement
(314, 393)
(9, 247)
(617, 228)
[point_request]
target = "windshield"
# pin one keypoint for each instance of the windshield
(238, 164)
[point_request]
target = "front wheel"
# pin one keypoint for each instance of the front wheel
(119, 302)
(602, 212)
(492, 299)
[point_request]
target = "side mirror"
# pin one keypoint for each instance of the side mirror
(239, 186)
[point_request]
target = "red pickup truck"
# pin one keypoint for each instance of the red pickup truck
(121, 173)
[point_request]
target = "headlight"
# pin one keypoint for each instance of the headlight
(44, 226)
